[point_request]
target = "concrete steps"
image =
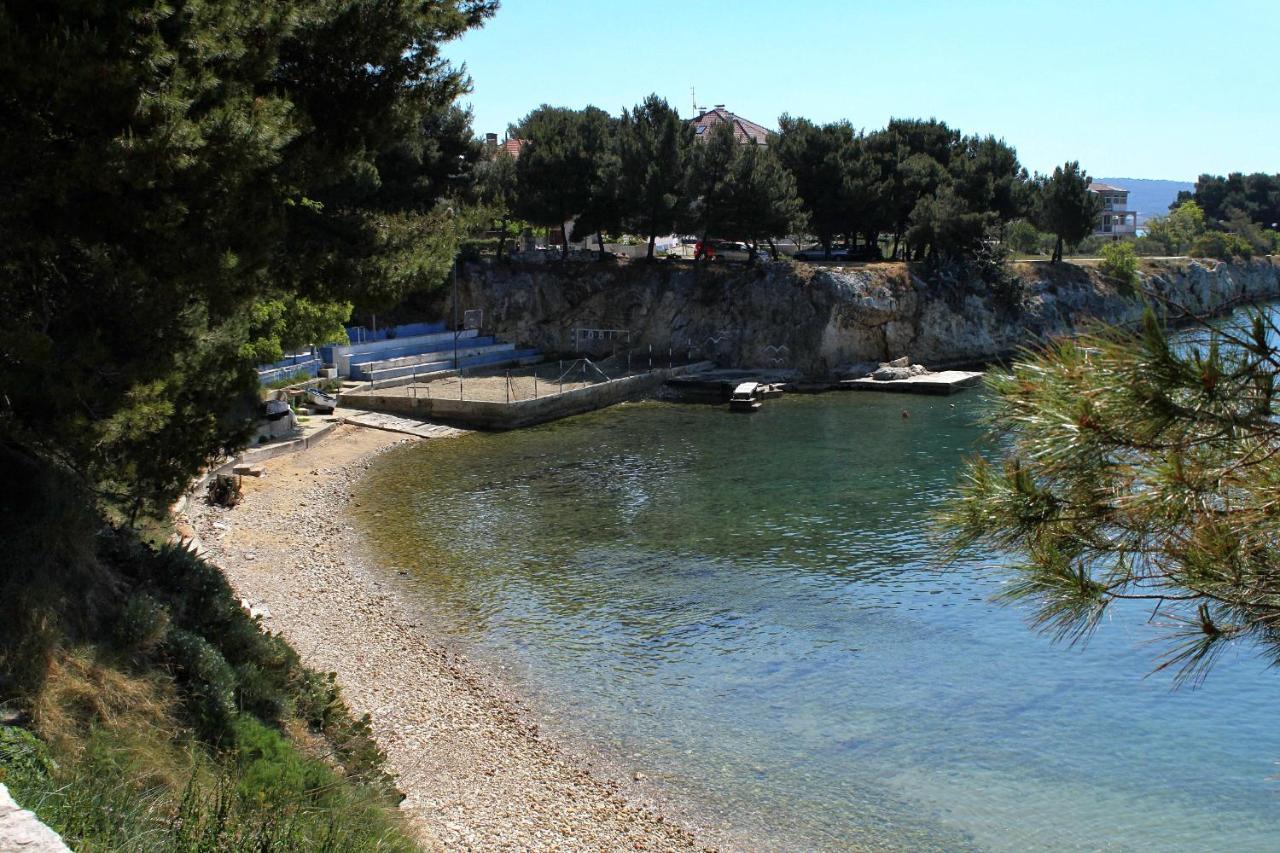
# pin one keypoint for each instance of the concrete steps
(345, 356)
(440, 359)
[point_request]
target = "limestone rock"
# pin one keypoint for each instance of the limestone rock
(22, 832)
(817, 320)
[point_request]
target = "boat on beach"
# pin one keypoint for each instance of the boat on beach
(320, 401)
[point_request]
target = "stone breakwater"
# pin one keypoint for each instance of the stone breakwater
(476, 773)
(821, 319)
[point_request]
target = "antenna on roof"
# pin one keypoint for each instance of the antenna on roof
(693, 96)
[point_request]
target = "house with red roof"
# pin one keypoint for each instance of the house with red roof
(511, 146)
(745, 130)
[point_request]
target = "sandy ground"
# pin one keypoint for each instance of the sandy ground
(476, 774)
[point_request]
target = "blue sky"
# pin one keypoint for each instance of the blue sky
(1130, 88)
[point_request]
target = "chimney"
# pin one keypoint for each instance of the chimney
(491, 141)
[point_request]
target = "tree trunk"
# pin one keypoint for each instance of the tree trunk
(652, 239)
(826, 248)
(600, 243)
(564, 255)
(773, 250)
(502, 239)
(751, 255)
(894, 254)
(1057, 251)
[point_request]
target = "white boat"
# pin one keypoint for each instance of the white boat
(746, 397)
(320, 401)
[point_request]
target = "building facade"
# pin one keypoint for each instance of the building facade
(1115, 220)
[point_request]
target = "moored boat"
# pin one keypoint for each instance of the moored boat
(746, 397)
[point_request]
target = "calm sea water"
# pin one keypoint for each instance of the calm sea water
(747, 610)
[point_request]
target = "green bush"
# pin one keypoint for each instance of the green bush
(1120, 262)
(208, 682)
(1024, 238)
(24, 758)
(164, 714)
(143, 624)
(1221, 245)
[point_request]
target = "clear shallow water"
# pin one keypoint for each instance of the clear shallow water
(745, 608)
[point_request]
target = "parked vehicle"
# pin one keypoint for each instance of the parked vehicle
(728, 250)
(839, 253)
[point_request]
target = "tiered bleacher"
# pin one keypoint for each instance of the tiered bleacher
(302, 365)
(419, 350)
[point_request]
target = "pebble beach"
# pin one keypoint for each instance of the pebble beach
(476, 772)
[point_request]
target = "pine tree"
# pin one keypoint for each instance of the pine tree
(710, 182)
(762, 197)
(654, 150)
(819, 160)
(1065, 207)
(170, 174)
(1139, 469)
(559, 165)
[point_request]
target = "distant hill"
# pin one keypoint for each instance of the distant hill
(1148, 196)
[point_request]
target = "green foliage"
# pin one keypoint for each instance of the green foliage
(1256, 197)
(164, 713)
(818, 158)
(762, 201)
(1178, 230)
(1023, 237)
(173, 171)
(143, 625)
(285, 324)
(24, 758)
(711, 182)
(1138, 468)
(654, 150)
(1065, 207)
(566, 167)
(1221, 245)
(207, 682)
(1120, 262)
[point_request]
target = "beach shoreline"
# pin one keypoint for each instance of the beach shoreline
(475, 771)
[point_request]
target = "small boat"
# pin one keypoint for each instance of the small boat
(746, 397)
(770, 390)
(320, 401)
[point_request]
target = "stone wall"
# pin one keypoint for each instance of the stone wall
(819, 319)
(481, 414)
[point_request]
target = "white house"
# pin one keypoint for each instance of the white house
(1116, 219)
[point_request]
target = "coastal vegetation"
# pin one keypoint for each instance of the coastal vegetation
(1140, 467)
(932, 191)
(190, 190)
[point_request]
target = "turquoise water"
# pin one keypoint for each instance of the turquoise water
(747, 610)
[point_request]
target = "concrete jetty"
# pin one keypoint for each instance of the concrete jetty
(941, 383)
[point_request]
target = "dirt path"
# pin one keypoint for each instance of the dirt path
(476, 775)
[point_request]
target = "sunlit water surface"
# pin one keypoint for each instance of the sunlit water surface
(747, 609)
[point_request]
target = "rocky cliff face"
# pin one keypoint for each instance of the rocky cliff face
(820, 319)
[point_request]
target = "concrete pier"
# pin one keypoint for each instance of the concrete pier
(940, 383)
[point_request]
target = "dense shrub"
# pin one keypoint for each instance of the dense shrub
(1120, 262)
(162, 717)
(1221, 245)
